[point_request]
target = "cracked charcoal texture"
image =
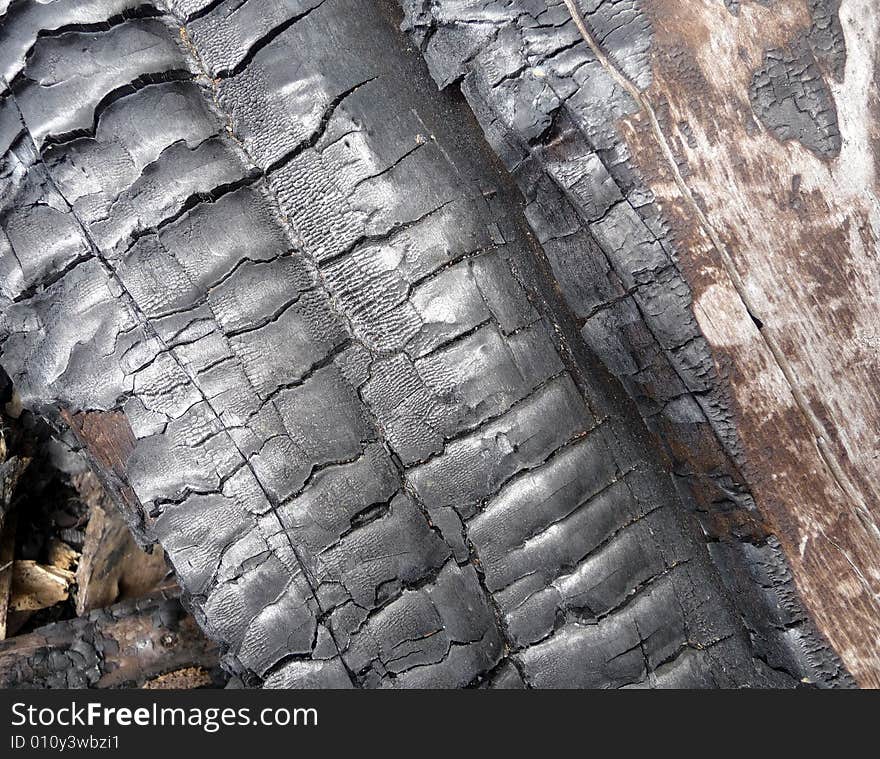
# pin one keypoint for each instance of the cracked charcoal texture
(324, 362)
(791, 98)
(548, 106)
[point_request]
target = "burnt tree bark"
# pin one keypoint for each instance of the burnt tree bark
(372, 388)
(724, 162)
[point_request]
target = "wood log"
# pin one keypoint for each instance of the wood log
(409, 409)
(132, 644)
(723, 157)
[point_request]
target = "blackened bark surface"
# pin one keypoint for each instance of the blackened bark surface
(291, 306)
(695, 176)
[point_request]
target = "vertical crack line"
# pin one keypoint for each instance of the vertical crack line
(149, 328)
(211, 87)
(840, 477)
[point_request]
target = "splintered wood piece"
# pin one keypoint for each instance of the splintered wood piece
(36, 586)
(10, 473)
(112, 566)
(7, 553)
(62, 556)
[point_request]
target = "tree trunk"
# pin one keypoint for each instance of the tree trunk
(404, 414)
(724, 161)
